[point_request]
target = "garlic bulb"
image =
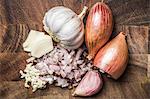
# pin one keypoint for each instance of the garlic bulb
(65, 26)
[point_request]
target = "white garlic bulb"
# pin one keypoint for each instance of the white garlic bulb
(65, 26)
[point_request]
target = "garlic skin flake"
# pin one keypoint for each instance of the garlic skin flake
(31, 40)
(65, 26)
(38, 44)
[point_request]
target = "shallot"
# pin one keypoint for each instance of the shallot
(98, 28)
(113, 57)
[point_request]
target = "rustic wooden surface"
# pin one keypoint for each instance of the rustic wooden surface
(18, 17)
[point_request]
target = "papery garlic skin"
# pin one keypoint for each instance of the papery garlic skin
(42, 47)
(31, 40)
(38, 44)
(113, 57)
(65, 26)
(89, 85)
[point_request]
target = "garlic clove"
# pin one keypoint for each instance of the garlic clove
(72, 46)
(29, 41)
(42, 46)
(113, 57)
(89, 85)
(70, 29)
(76, 39)
(61, 15)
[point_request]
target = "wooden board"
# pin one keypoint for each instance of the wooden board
(18, 17)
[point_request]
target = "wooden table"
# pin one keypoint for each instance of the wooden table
(18, 17)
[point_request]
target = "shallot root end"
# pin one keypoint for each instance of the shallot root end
(123, 33)
(102, 1)
(89, 57)
(74, 94)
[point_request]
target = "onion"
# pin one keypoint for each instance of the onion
(98, 28)
(113, 57)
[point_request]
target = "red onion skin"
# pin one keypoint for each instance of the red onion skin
(113, 57)
(98, 28)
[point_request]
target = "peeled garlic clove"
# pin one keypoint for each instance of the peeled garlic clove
(98, 28)
(89, 85)
(113, 57)
(29, 41)
(42, 46)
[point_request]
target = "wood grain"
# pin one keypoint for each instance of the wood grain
(140, 60)
(18, 17)
(13, 36)
(16, 90)
(13, 90)
(135, 12)
(25, 11)
(137, 37)
(149, 40)
(10, 65)
(3, 19)
(148, 67)
(123, 91)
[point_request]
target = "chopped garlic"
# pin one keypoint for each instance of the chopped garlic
(30, 59)
(31, 74)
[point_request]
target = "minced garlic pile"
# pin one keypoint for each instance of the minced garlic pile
(31, 75)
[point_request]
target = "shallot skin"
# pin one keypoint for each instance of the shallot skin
(98, 28)
(113, 57)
